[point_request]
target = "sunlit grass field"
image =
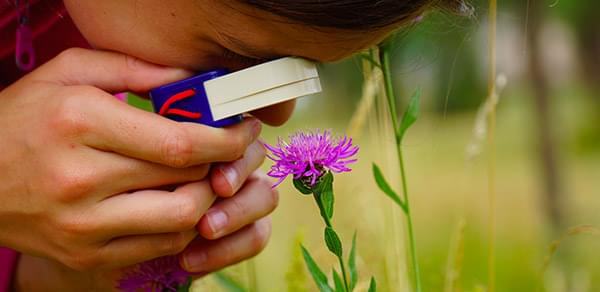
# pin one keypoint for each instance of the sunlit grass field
(450, 201)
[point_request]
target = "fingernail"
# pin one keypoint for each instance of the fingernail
(230, 174)
(217, 220)
(194, 261)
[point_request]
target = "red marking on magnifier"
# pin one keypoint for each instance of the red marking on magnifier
(167, 110)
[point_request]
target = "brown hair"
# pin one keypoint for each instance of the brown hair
(356, 14)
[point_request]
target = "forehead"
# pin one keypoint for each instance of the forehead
(264, 35)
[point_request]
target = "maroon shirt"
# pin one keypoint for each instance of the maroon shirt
(52, 28)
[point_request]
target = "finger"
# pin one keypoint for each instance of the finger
(152, 211)
(276, 115)
(109, 71)
(206, 256)
(130, 250)
(127, 174)
(118, 127)
(226, 179)
(256, 200)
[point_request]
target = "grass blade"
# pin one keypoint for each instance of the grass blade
(339, 286)
(573, 231)
(318, 275)
(227, 283)
(373, 285)
(352, 265)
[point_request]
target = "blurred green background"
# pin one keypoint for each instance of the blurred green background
(548, 159)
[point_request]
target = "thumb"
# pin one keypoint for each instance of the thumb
(109, 71)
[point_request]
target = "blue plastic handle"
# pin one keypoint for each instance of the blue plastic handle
(186, 101)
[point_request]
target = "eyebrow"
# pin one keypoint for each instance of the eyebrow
(248, 49)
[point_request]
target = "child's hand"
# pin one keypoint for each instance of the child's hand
(235, 228)
(72, 158)
(242, 238)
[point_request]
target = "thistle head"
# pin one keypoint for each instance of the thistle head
(158, 275)
(310, 155)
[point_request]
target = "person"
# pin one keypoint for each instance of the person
(90, 185)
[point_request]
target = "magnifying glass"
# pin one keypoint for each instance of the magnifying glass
(219, 99)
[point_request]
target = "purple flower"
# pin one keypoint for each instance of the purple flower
(158, 275)
(309, 155)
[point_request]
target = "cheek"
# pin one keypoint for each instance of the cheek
(103, 26)
(180, 54)
(118, 26)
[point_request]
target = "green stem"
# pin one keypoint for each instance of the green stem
(344, 273)
(389, 86)
(322, 210)
(411, 234)
(328, 224)
(391, 97)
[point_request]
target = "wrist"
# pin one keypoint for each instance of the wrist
(38, 274)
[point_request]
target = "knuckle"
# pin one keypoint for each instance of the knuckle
(70, 183)
(237, 147)
(73, 227)
(187, 214)
(69, 115)
(174, 244)
(69, 57)
(132, 63)
(237, 209)
(176, 149)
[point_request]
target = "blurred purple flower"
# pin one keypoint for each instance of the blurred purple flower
(158, 275)
(309, 155)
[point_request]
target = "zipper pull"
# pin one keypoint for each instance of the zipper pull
(24, 52)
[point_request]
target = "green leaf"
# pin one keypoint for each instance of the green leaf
(385, 187)
(315, 271)
(410, 115)
(324, 191)
(301, 187)
(339, 286)
(185, 287)
(327, 201)
(373, 285)
(334, 244)
(325, 181)
(352, 265)
(228, 284)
